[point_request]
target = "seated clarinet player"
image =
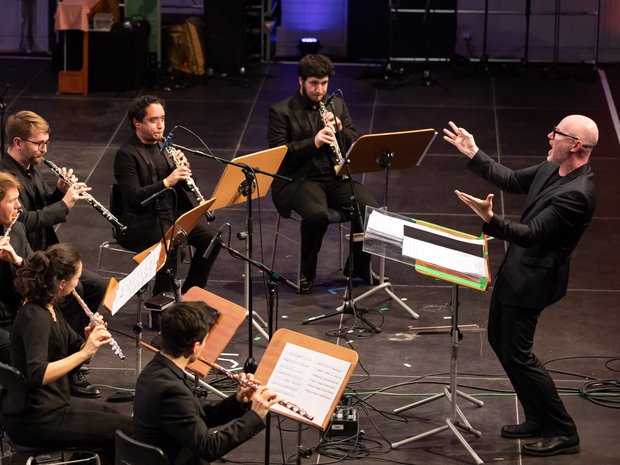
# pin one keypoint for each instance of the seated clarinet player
(313, 133)
(168, 415)
(142, 168)
(45, 349)
(28, 136)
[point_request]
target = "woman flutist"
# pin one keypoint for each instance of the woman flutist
(166, 412)
(45, 348)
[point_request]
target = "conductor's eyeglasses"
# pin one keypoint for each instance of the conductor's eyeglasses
(557, 131)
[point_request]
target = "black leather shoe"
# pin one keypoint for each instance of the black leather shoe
(81, 387)
(553, 445)
(527, 429)
(84, 369)
(305, 285)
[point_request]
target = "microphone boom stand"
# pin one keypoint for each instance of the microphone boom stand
(245, 188)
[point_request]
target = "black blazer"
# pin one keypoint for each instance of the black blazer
(536, 265)
(43, 206)
(136, 184)
(188, 429)
(289, 125)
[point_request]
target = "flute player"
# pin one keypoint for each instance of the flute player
(168, 415)
(28, 136)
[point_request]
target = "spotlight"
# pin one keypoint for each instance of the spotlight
(308, 45)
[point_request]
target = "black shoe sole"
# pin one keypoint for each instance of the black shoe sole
(565, 450)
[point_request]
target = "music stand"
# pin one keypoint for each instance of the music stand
(181, 228)
(388, 151)
(449, 255)
(247, 178)
(230, 318)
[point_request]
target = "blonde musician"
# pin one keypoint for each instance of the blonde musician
(45, 350)
(13, 248)
(142, 169)
(28, 136)
(168, 414)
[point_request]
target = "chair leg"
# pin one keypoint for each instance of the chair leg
(275, 242)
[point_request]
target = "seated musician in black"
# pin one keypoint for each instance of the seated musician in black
(168, 415)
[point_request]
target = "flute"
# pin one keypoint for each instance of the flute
(253, 385)
(107, 214)
(10, 226)
(91, 316)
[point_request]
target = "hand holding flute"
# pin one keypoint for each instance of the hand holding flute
(262, 398)
(97, 330)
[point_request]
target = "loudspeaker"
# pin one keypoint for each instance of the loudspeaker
(225, 35)
(117, 59)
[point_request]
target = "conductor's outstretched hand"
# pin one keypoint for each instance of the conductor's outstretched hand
(461, 139)
(483, 208)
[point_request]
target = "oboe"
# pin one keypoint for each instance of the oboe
(107, 214)
(91, 316)
(172, 153)
(10, 226)
(253, 385)
(337, 155)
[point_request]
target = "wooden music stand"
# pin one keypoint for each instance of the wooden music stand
(227, 192)
(274, 352)
(386, 151)
(230, 318)
(232, 189)
(183, 225)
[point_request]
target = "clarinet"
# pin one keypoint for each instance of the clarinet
(91, 316)
(10, 226)
(336, 154)
(253, 385)
(89, 198)
(172, 153)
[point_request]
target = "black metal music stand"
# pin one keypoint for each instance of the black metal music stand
(389, 151)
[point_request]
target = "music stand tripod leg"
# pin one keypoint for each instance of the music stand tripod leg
(453, 422)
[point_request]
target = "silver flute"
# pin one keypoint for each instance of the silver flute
(172, 153)
(91, 316)
(337, 155)
(10, 226)
(107, 214)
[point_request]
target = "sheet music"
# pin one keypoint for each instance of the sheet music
(385, 226)
(309, 379)
(135, 280)
(447, 258)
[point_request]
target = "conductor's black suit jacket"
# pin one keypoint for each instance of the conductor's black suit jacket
(536, 266)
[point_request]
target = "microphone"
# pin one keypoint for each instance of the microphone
(215, 240)
(329, 98)
(152, 198)
(168, 139)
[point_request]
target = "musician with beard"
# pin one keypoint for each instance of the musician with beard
(296, 123)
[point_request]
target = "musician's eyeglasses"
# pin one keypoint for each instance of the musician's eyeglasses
(41, 145)
(557, 131)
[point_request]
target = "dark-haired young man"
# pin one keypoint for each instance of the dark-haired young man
(141, 169)
(296, 123)
(166, 412)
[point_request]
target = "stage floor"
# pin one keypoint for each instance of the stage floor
(510, 110)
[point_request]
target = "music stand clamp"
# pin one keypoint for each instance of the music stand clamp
(385, 152)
